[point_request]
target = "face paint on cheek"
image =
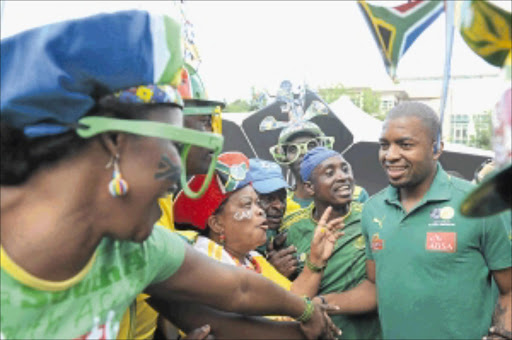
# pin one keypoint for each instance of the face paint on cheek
(168, 169)
(243, 215)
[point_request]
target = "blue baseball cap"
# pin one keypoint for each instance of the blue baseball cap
(266, 177)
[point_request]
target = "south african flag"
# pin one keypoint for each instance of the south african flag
(396, 28)
(486, 29)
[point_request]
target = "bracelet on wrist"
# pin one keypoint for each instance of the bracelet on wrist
(313, 267)
(308, 311)
(322, 298)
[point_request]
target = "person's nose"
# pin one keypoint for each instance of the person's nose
(340, 175)
(260, 211)
(277, 204)
(392, 153)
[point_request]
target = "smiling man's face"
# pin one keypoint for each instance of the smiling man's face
(333, 181)
(406, 152)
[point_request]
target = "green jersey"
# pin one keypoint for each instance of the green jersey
(433, 264)
(345, 269)
(91, 304)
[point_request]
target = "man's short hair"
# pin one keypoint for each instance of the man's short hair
(423, 112)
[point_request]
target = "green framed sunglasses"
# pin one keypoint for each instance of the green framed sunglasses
(92, 126)
(288, 153)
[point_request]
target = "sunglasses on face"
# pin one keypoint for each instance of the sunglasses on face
(182, 137)
(288, 153)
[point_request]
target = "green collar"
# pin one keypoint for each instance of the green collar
(347, 218)
(439, 189)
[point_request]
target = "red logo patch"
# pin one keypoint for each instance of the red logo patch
(445, 242)
(377, 243)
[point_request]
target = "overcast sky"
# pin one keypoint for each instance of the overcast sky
(261, 43)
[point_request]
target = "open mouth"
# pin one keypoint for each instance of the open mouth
(395, 172)
(343, 190)
(274, 219)
(263, 226)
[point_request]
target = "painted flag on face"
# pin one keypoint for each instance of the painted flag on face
(396, 28)
(486, 28)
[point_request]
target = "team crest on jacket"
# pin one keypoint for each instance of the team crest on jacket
(442, 216)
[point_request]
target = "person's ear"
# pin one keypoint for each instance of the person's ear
(438, 148)
(113, 143)
(215, 224)
(309, 187)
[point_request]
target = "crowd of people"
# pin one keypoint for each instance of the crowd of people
(122, 219)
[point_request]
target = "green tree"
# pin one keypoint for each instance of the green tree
(371, 104)
(483, 131)
(330, 94)
(366, 99)
(238, 105)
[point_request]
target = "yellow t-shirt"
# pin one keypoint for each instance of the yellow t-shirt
(139, 321)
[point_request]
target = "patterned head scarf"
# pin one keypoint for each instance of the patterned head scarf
(312, 159)
(231, 172)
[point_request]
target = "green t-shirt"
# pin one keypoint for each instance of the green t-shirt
(345, 269)
(432, 264)
(92, 303)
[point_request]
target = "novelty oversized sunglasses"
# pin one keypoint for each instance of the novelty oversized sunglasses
(288, 153)
(92, 125)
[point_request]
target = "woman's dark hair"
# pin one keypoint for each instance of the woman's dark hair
(22, 156)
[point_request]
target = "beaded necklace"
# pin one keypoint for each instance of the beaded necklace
(253, 264)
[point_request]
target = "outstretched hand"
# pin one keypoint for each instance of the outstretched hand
(320, 325)
(324, 238)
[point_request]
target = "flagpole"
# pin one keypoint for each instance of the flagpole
(450, 27)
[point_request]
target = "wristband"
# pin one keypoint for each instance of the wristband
(322, 298)
(308, 311)
(313, 267)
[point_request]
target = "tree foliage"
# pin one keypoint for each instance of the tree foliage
(371, 104)
(364, 98)
(238, 105)
(331, 94)
(483, 131)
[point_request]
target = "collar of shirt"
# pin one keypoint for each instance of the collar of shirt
(439, 189)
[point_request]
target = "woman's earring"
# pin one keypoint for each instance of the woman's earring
(117, 186)
(222, 238)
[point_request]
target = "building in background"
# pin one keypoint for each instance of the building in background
(464, 122)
